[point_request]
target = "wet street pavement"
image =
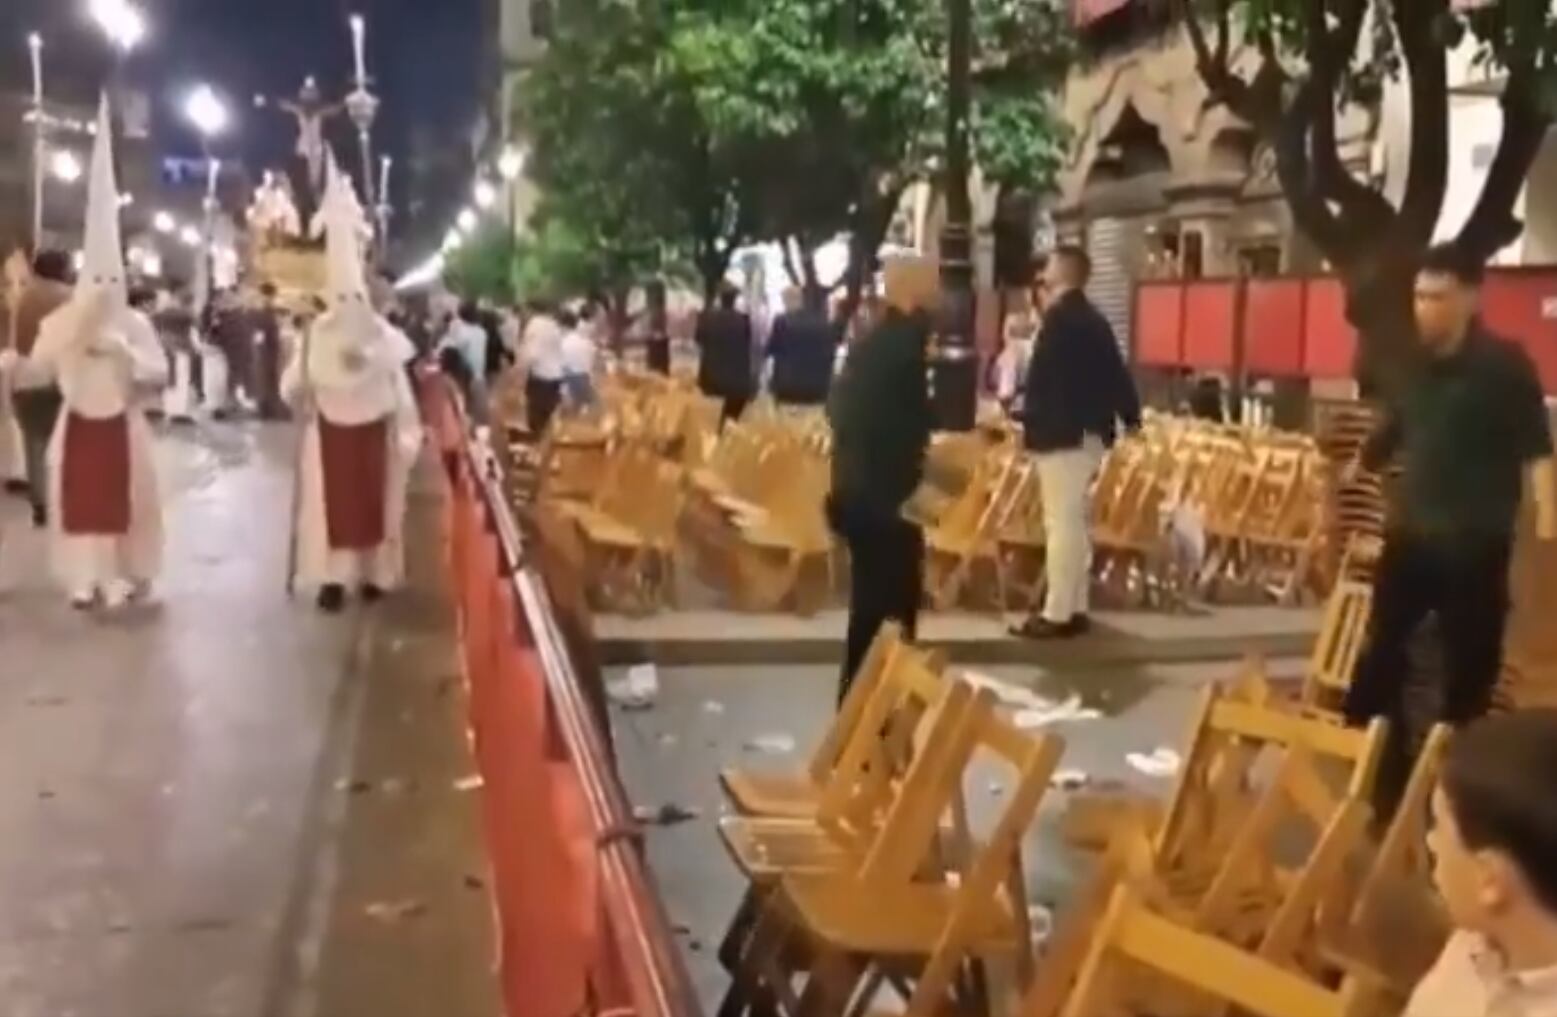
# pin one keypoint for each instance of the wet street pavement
(708, 718)
(224, 804)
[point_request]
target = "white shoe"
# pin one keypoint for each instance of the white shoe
(116, 595)
(84, 600)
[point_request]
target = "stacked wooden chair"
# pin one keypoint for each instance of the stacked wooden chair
(967, 535)
(885, 885)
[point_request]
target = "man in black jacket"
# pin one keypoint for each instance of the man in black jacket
(724, 343)
(1078, 390)
(803, 348)
(881, 420)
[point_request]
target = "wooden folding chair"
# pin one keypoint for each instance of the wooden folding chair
(1390, 923)
(1342, 631)
(965, 535)
(889, 923)
(1132, 938)
(795, 795)
(1214, 850)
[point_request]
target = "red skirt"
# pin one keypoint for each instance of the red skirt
(95, 477)
(355, 462)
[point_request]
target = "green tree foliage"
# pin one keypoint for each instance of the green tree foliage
(669, 129)
(1288, 66)
(482, 268)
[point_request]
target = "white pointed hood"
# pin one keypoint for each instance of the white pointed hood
(102, 267)
(341, 218)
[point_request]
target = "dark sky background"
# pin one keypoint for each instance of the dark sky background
(427, 58)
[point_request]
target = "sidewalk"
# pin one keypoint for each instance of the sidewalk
(226, 804)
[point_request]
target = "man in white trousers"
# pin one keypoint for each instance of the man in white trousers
(361, 431)
(1078, 392)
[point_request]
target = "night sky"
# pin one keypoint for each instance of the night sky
(425, 55)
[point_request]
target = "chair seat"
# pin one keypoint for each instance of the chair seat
(766, 849)
(908, 921)
(772, 795)
(602, 529)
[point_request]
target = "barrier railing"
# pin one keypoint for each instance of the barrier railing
(581, 925)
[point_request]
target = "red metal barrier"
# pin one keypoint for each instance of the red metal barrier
(1329, 341)
(1522, 305)
(1273, 327)
(1159, 324)
(581, 927)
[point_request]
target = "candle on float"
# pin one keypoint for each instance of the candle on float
(358, 40)
(383, 179)
(35, 43)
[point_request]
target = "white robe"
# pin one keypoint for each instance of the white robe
(103, 375)
(378, 391)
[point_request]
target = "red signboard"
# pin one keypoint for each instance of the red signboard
(1330, 342)
(1522, 306)
(1273, 327)
(1210, 326)
(1086, 11)
(1159, 324)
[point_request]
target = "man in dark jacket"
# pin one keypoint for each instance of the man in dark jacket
(803, 348)
(1078, 391)
(36, 396)
(881, 420)
(724, 344)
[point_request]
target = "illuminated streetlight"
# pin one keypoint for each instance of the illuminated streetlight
(206, 111)
(511, 164)
(452, 240)
(65, 166)
(126, 199)
(467, 220)
(486, 194)
(189, 236)
(122, 21)
(162, 222)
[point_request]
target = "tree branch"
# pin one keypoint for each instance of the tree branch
(1427, 173)
(1257, 101)
(1294, 169)
(1327, 53)
(1492, 224)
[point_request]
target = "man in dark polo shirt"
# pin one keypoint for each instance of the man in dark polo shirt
(1468, 425)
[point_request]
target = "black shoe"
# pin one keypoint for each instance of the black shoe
(20, 488)
(40, 517)
(1039, 627)
(371, 594)
(332, 598)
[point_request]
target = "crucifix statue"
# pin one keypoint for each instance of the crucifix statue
(307, 172)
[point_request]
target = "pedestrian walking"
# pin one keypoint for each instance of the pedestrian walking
(1078, 393)
(724, 345)
(881, 421)
(35, 394)
(1468, 426)
(803, 349)
(540, 356)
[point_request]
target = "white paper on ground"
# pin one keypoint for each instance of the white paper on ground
(637, 690)
(1054, 713)
(1160, 762)
(778, 744)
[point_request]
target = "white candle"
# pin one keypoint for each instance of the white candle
(358, 38)
(214, 173)
(383, 179)
(35, 43)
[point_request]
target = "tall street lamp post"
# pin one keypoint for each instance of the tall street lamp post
(509, 166)
(384, 209)
(956, 363)
(209, 116)
(35, 46)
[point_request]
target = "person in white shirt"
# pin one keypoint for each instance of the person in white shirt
(578, 358)
(540, 357)
(462, 354)
(1494, 847)
(107, 534)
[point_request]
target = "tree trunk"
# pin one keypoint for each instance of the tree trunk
(1378, 306)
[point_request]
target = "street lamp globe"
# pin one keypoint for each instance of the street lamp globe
(485, 194)
(511, 163)
(452, 240)
(121, 21)
(163, 222)
(65, 166)
(189, 236)
(467, 220)
(205, 109)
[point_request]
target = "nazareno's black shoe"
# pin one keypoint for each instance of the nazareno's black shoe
(332, 598)
(371, 594)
